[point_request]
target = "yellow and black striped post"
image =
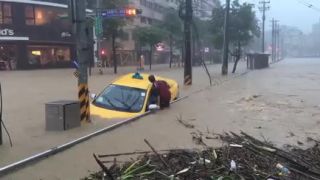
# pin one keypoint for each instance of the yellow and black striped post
(187, 80)
(77, 14)
(84, 102)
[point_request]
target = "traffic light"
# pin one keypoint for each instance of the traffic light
(132, 12)
(103, 52)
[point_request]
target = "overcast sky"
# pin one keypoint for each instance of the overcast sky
(292, 13)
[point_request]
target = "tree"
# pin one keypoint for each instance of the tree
(149, 36)
(172, 24)
(201, 37)
(113, 26)
(217, 22)
(243, 27)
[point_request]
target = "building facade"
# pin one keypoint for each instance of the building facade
(153, 11)
(33, 35)
(203, 8)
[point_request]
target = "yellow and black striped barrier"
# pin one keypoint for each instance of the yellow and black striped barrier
(187, 80)
(84, 102)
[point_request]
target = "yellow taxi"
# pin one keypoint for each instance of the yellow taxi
(127, 96)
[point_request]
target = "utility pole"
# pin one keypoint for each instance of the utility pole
(274, 40)
(282, 46)
(278, 40)
(226, 39)
(78, 17)
(263, 9)
(187, 34)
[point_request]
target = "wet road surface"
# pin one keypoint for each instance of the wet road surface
(280, 104)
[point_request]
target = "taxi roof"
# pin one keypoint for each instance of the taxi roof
(130, 81)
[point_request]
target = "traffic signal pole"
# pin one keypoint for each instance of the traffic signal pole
(78, 16)
(98, 35)
(188, 54)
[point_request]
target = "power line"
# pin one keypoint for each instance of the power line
(311, 6)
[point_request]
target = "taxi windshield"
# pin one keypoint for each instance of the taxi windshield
(121, 98)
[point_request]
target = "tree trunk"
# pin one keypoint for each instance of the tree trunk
(114, 56)
(238, 56)
(170, 61)
(150, 58)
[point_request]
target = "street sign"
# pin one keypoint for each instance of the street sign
(98, 26)
(126, 12)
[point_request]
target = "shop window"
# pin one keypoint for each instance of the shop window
(29, 14)
(47, 56)
(5, 13)
(43, 15)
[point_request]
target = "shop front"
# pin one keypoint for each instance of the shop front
(33, 36)
(26, 55)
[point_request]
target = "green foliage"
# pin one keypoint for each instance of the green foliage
(203, 27)
(243, 24)
(173, 26)
(149, 35)
(217, 23)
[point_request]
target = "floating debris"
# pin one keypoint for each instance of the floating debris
(243, 157)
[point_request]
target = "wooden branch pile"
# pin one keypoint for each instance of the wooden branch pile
(243, 157)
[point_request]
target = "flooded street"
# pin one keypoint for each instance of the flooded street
(279, 104)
